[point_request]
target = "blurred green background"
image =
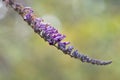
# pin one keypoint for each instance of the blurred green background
(92, 26)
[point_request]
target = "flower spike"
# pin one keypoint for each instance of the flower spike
(50, 34)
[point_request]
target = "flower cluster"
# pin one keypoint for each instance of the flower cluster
(50, 34)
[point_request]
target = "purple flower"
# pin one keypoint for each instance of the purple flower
(75, 54)
(62, 46)
(69, 50)
(27, 14)
(47, 32)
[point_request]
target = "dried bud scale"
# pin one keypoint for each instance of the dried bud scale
(50, 34)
